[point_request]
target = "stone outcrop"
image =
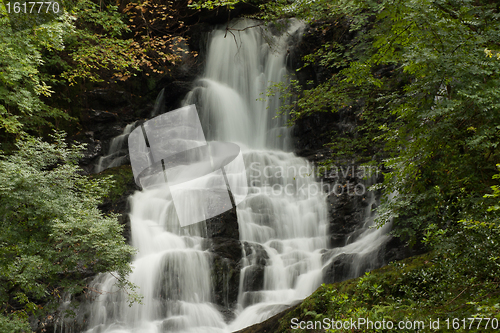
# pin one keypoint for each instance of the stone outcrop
(226, 249)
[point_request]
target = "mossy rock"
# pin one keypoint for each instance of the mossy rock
(117, 200)
(123, 178)
(403, 290)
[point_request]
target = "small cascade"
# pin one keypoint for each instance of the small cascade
(118, 148)
(118, 151)
(159, 106)
(238, 73)
(286, 217)
(361, 250)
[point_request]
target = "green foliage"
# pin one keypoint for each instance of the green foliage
(496, 192)
(122, 177)
(445, 144)
(53, 234)
(352, 87)
(96, 50)
(115, 46)
(158, 29)
(22, 90)
(213, 4)
(91, 44)
(14, 323)
(84, 46)
(416, 289)
(421, 79)
(356, 12)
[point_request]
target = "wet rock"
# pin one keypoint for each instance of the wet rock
(256, 260)
(340, 268)
(227, 313)
(176, 90)
(117, 201)
(224, 225)
(337, 239)
(226, 254)
(99, 116)
(346, 215)
(255, 253)
(92, 152)
(272, 324)
(104, 125)
(254, 278)
(353, 236)
(226, 268)
(226, 248)
(312, 133)
(396, 249)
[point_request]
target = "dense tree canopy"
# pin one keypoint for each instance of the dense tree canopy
(423, 77)
(53, 235)
(44, 66)
(21, 88)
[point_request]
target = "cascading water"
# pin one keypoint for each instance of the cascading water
(284, 216)
(117, 152)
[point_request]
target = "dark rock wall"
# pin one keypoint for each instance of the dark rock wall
(224, 244)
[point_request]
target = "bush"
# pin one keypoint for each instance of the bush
(53, 235)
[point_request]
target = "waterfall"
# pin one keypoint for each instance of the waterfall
(283, 222)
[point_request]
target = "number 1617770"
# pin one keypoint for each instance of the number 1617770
(32, 7)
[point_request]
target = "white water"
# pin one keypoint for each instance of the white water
(117, 154)
(285, 213)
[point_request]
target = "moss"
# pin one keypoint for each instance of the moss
(420, 288)
(123, 181)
